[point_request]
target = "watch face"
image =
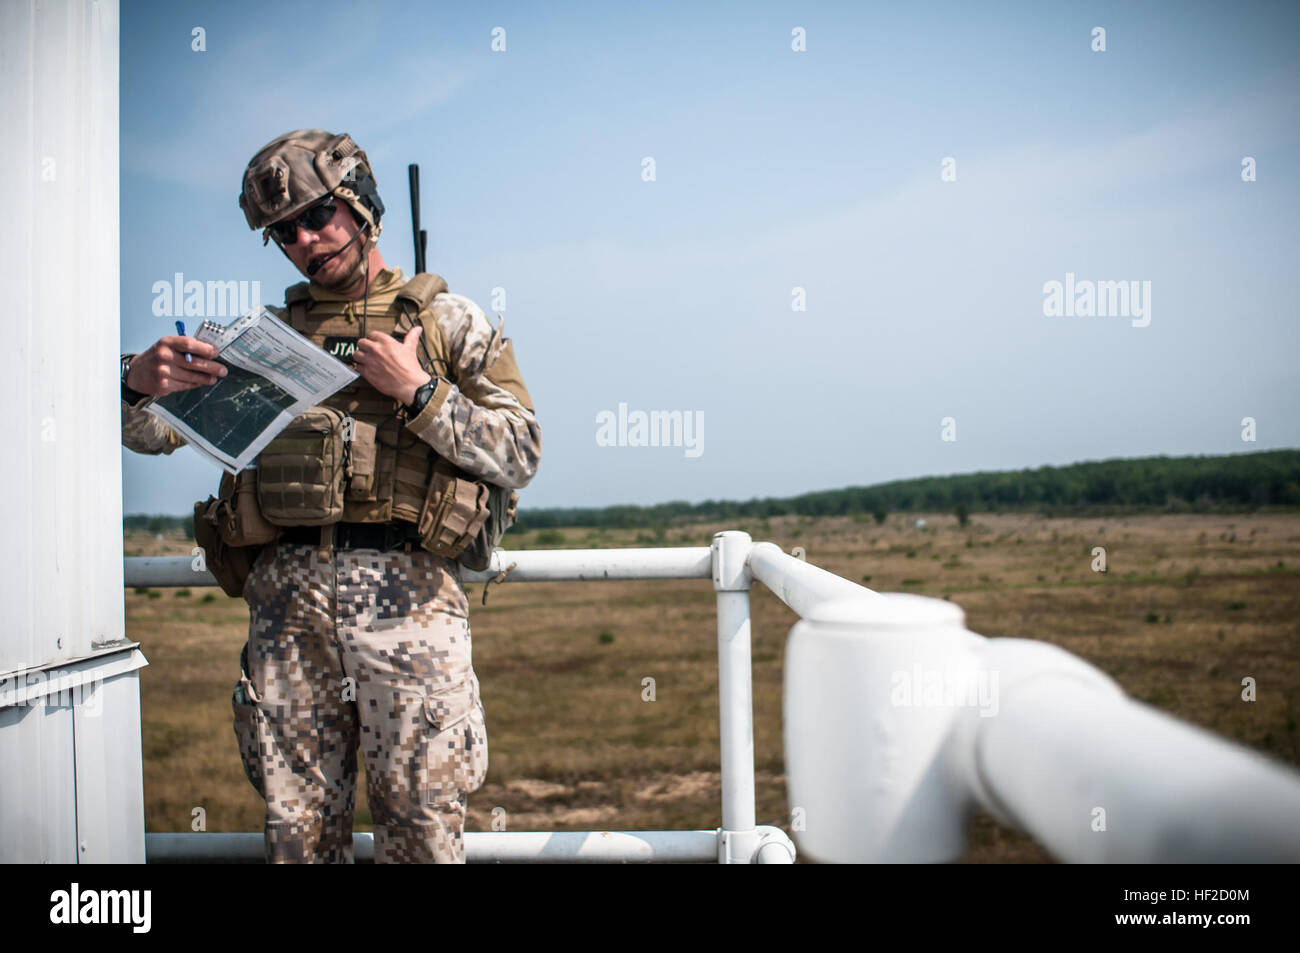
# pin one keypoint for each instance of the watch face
(423, 393)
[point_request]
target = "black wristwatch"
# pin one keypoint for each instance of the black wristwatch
(423, 395)
(129, 395)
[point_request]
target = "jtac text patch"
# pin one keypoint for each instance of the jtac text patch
(340, 347)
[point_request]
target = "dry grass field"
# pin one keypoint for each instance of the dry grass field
(1189, 606)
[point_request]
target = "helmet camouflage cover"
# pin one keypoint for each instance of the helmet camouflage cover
(294, 170)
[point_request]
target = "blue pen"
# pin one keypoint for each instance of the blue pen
(180, 329)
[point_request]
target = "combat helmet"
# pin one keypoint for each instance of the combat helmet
(297, 169)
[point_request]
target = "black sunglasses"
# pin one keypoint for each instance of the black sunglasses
(313, 219)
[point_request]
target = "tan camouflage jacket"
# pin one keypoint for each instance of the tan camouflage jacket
(474, 423)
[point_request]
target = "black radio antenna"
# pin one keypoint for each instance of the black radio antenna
(420, 236)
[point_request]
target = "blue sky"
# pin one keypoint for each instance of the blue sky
(775, 170)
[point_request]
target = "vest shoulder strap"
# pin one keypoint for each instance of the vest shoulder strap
(422, 289)
(414, 299)
(297, 299)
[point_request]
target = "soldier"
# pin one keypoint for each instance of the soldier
(359, 632)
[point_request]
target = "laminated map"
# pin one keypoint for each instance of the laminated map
(274, 374)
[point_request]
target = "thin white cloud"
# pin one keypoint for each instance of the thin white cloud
(1050, 177)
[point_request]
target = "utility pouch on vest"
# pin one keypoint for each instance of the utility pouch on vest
(230, 565)
(455, 509)
(362, 485)
(303, 472)
(503, 505)
(239, 520)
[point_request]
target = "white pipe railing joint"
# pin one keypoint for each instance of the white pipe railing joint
(731, 561)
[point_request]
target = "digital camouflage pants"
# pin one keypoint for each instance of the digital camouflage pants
(364, 650)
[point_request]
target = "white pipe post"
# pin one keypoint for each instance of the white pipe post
(731, 580)
(873, 688)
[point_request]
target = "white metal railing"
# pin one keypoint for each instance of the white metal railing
(738, 840)
(898, 721)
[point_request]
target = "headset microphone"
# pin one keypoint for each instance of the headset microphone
(317, 266)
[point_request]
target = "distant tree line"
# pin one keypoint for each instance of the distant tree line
(1167, 484)
(1170, 484)
(159, 524)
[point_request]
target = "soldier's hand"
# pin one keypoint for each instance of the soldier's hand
(392, 366)
(163, 370)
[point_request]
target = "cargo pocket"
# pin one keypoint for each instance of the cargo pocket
(250, 725)
(454, 759)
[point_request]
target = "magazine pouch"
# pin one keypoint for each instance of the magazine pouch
(362, 485)
(454, 511)
(303, 473)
